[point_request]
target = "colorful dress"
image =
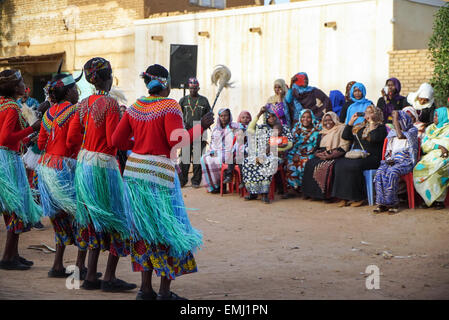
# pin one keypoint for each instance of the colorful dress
(56, 172)
(220, 152)
(431, 174)
(98, 183)
(258, 166)
(404, 152)
(162, 236)
(305, 141)
(16, 198)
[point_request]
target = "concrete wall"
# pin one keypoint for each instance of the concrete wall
(413, 23)
(411, 67)
(293, 39)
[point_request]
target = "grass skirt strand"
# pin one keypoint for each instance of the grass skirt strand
(15, 193)
(155, 208)
(99, 193)
(56, 184)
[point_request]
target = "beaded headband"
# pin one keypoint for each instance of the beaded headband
(155, 80)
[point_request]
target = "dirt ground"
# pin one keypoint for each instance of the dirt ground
(291, 249)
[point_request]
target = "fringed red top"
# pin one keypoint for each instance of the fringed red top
(13, 127)
(99, 116)
(54, 131)
(156, 125)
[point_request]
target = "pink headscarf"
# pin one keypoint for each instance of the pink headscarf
(242, 114)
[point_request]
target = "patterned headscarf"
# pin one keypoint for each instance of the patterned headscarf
(412, 111)
(348, 90)
(193, 83)
(156, 81)
(97, 65)
(59, 83)
(16, 76)
(377, 119)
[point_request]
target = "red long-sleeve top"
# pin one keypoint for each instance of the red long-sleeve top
(101, 114)
(156, 125)
(54, 131)
(13, 126)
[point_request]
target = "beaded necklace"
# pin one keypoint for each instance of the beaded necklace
(190, 105)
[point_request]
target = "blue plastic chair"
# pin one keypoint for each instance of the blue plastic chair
(369, 179)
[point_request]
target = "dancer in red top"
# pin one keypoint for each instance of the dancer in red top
(98, 183)
(163, 238)
(56, 172)
(19, 209)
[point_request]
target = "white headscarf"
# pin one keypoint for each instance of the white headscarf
(424, 91)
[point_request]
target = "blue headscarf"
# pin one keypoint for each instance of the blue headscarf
(443, 116)
(300, 89)
(358, 105)
(409, 131)
(337, 99)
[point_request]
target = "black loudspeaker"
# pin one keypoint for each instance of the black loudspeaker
(183, 61)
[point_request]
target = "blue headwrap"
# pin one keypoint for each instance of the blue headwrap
(156, 81)
(358, 105)
(443, 116)
(337, 99)
(409, 131)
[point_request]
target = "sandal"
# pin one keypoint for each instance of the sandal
(251, 197)
(171, 296)
(24, 261)
(58, 273)
(380, 209)
(117, 285)
(342, 203)
(91, 285)
(265, 199)
(357, 204)
(393, 210)
(438, 205)
(146, 295)
(13, 265)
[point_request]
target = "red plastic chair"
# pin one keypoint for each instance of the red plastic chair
(273, 182)
(408, 178)
(236, 178)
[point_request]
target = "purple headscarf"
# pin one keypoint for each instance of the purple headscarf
(389, 107)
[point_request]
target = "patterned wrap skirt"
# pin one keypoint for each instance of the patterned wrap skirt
(163, 238)
(16, 198)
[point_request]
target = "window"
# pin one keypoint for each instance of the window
(219, 4)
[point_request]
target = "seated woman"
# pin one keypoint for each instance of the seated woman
(358, 93)
(305, 141)
(431, 174)
(415, 119)
(220, 151)
(278, 103)
(239, 146)
(400, 158)
(318, 171)
(262, 161)
(391, 99)
(349, 182)
(423, 102)
(302, 96)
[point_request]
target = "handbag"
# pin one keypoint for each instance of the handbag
(357, 153)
